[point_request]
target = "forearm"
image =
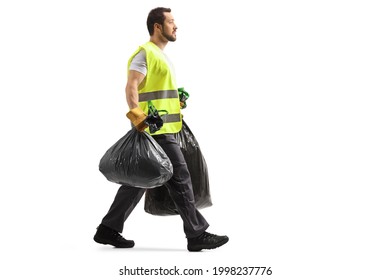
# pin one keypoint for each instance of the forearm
(133, 81)
(132, 96)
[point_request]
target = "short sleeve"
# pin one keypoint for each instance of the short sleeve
(139, 63)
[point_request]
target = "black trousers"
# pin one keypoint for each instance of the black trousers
(179, 188)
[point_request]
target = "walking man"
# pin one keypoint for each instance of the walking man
(151, 79)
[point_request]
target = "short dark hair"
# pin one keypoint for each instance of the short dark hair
(156, 16)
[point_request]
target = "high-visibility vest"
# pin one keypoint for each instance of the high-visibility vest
(159, 87)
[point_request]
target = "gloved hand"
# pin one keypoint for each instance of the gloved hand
(183, 96)
(137, 118)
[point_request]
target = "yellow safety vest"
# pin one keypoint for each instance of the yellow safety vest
(159, 87)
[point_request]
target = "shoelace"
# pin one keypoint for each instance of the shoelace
(208, 235)
(118, 236)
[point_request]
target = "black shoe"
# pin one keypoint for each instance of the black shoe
(206, 241)
(105, 235)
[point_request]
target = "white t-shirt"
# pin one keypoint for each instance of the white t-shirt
(139, 63)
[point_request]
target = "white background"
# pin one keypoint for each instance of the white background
(289, 102)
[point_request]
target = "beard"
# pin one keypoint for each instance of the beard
(170, 38)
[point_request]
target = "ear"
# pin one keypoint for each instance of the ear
(157, 26)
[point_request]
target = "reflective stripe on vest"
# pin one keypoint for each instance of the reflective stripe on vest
(169, 118)
(160, 94)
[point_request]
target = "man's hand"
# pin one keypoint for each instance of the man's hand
(183, 96)
(137, 118)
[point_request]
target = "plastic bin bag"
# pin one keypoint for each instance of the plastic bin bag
(136, 160)
(158, 201)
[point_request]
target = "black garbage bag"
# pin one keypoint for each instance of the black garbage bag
(158, 201)
(136, 160)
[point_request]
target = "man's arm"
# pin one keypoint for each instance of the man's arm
(134, 79)
(136, 115)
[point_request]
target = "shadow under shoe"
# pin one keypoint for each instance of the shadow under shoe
(105, 235)
(206, 241)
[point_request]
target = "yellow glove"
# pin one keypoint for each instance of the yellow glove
(137, 118)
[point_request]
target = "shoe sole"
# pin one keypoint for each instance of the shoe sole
(210, 247)
(107, 242)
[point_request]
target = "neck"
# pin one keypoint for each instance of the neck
(158, 43)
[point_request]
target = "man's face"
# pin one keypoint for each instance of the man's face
(169, 28)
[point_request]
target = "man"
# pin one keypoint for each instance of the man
(151, 80)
